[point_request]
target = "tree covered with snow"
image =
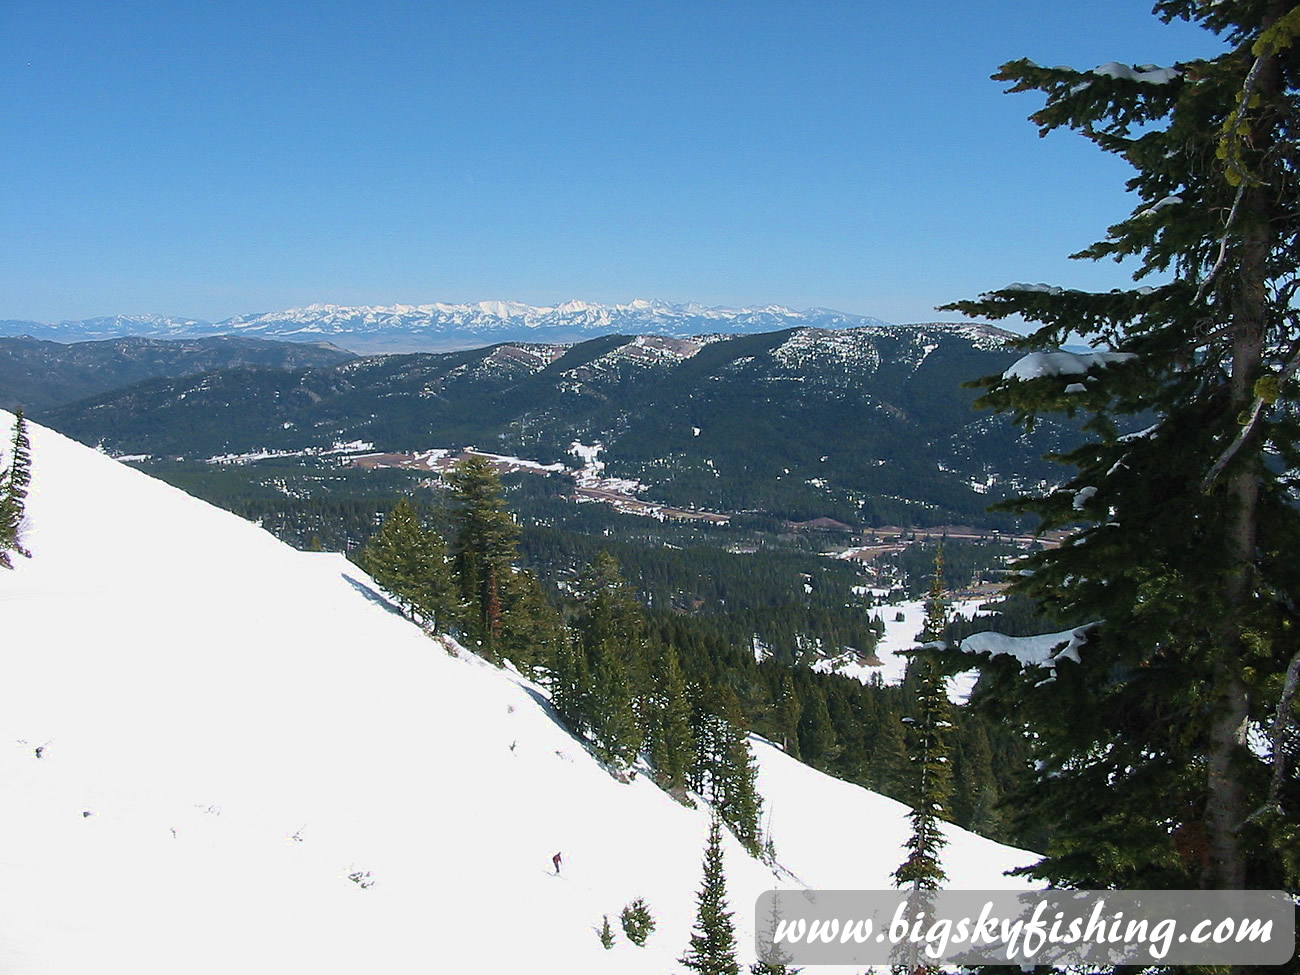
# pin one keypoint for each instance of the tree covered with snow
(1162, 746)
(14, 480)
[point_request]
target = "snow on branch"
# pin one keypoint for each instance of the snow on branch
(1036, 365)
(1044, 651)
(1041, 289)
(1150, 74)
(1159, 205)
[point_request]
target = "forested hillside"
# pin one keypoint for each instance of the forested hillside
(39, 375)
(867, 426)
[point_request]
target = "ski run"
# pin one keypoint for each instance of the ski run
(220, 754)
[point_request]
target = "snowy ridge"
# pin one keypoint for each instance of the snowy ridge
(230, 730)
(857, 348)
(440, 323)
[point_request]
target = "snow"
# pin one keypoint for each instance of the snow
(248, 725)
(1159, 205)
(588, 454)
(1044, 289)
(1148, 73)
(1036, 365)
(1042, 651)
(516, 463)
(893, 649)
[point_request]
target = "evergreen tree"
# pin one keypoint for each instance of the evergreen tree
(731, 772)
(672, 745)
(704, 732)
(816, 733)
(570, 684)
(1183, 554)
(929, 753)
(975, 788)
(889, 770)
(713, 941)
(606, 934)
(610, 628)
(607, 613)
(776, 961)
(13, 493)
(532, 630)
(410, 561)
(483, 548)
(638, 924)
(611, 716)
(790, 709)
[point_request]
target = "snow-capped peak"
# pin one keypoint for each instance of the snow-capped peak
(441, 325)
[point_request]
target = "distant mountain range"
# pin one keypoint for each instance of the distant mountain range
(38, 375)
(446, 327)
(866, 425)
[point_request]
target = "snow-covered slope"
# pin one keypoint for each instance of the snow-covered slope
(229, 729)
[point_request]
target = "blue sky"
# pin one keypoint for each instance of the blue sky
(212, 159)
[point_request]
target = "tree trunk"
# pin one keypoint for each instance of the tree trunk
(1226, 803)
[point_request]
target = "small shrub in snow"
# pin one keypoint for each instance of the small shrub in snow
(607, 934)
(637, 922)
(361, 878)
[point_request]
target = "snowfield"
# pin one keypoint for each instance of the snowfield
(230, 729)
(899, 639)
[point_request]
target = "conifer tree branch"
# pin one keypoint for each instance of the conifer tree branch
(1247, 428)
(1283, 719)
(1228, 143)
(1222, 258)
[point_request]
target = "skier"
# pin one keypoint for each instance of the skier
(556, 860)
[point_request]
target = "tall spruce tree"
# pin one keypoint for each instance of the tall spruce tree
(611, 715)
(13, 493)
(889, 770)
(713, 940)
(929, 753)
(975, 787)
(672, 745)
(570, 681)
(725, 771)
(816, 733)
(532, 630)
(775, 960)
(789, 711)
(610, 627)
(410, 561)
(483, 548)
(1183, 552)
